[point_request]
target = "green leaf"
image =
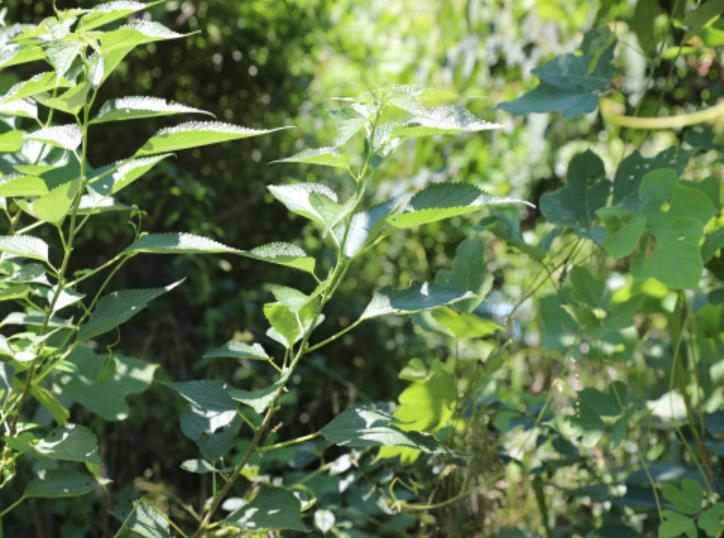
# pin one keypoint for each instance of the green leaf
(235, 349)
(438, 120)
(366, 226)
(710, 520)
(118, 307)
(52, 405)
(55, 206)
(40, 83)
(207, 394)
(144, 520)
(623, 230)
(272, 508)
(24, 246)
(109, 12)
(61, 54)
(468, 272)
(194, 134)
(178, 243)
(287, 327)
(22, 108)
(413, 299)
(586, 190)
(460, 325)
(111, 179)
(81, 382)
(259, 400)
(11, 141)
(293, 299)
(634, 167)
(57, 483)
(71, 102)
(674, 524)
(444, 201)
(601, 403)
(570, 84)
(133, 34)
(297, 199)
(663, 194)
(60, 136)
(587, 289)
(286, 254)
(19, 54)
(686, 500)
(70, 443)
(326, 156)
(361, 427)
(132, 108)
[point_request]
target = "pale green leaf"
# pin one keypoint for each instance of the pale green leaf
(460, 325)
(366, 226)
(118, 307)
(131, 108)
(194, 134)
(111, 179)
(54, 206)
(297, 198)
(24, 246)
(451, 119)
(60, 136)
(326, 156)
(293, 299)
(133, 34)
(413, 299)
(40, 83)
(675, 524)
(143, 520)
(444, 201)
(234, 349)
(178, 243)
(61, 54)
(109, 12)
(272, 508)
(71, 101)
(19, 54)
(282, 253)
(23, 108)
(70, 443)
(58, 483)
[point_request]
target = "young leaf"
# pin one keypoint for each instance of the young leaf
(194, 134)
(132, 108)
(57, 483)
(178, 243)
(19, 54)
(60, 136)
(61, 54)
(70, 443)
(40, 83)
(24, 246)
(11, 141)
(286, 254)
(444, 201)
(109, 12)
(272, 508)
(439, 120)
(586, 190)
(326, 156)
(118, 307)
(413, 299)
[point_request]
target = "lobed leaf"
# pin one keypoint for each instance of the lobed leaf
(113, 178)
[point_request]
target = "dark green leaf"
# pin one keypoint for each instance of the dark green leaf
(55, 483)
(132, 108)
(675, 524)
(24, 246)
(70, 443)
(272, 508)
(235, 349)
(413, 299)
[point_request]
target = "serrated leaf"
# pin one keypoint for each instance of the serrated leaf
(109, 12)
(55, 206)
(674, 524)
(437, 120)
(133, 34)
(144, 520)
(118, 307)
(60, 136)
(586, 190)
(413, 299)
(19, 54)
(282, 253)
(40, 83)
(59, 483)
(326, 156)
(113, 178)
(24, 246)
(361, 427)
(444, 201)
(82, 383)
(178, 243)
(23, 108)
(272, 508)
(70, 443)
(234, 349)
(298, 198)
(137, 107)
(194, 134)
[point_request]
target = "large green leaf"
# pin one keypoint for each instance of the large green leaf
(686, 500)
(178, 243)
(118, 307)
(60, 136)
(143, 519)
(210, 394)
(272, 508)
(569, 83)
(112, 178)
(361, 427)
(675, 524)
(586, 190)
(132, 108)
(194, 134)
(70, 443)
(83, 381)
(55, 483)
(55, 206)
(24, 246)
(444, 201)
(413, 299)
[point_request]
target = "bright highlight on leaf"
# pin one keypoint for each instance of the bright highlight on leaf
(132, 108)
(413, 299)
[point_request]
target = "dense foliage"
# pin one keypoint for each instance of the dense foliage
(514, 331)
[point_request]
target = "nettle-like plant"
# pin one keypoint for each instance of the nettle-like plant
(55, 319)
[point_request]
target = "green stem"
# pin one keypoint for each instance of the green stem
(291, 442)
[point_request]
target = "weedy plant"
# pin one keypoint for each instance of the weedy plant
(54, 346)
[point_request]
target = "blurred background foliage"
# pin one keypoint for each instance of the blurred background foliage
(264, 64)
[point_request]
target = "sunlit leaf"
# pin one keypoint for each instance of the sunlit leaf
(131, 108)
(413, 299)
(272, 508)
